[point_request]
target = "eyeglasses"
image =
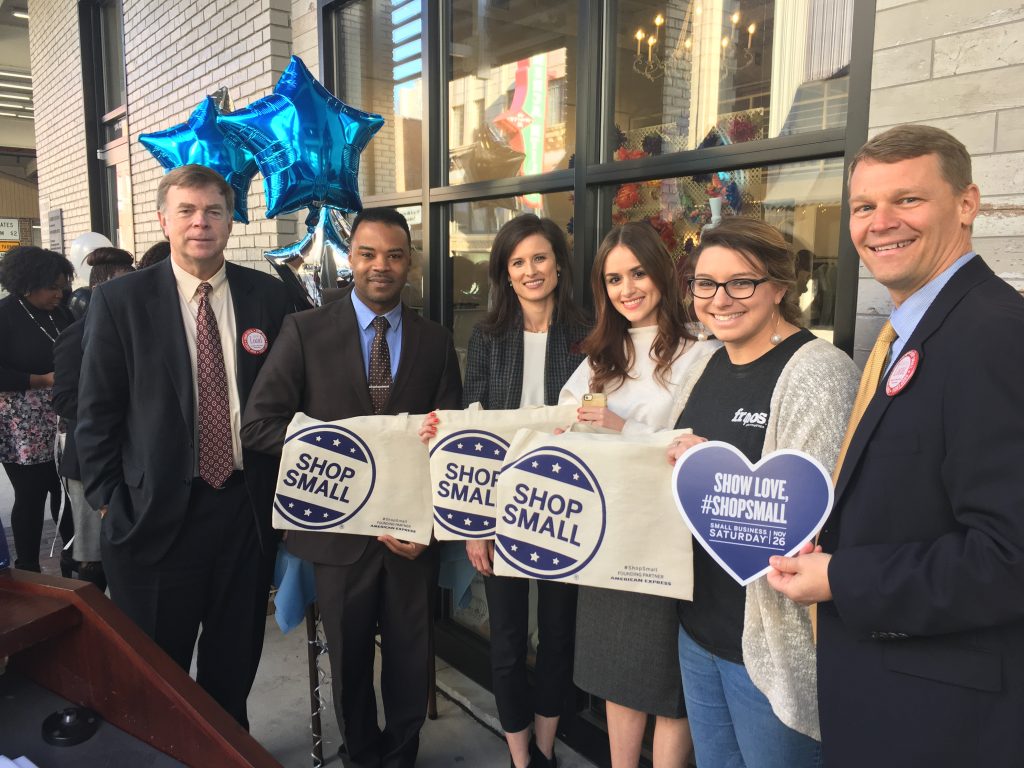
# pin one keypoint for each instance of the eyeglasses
(740, 288)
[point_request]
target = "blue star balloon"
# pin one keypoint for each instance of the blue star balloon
(200, 141)
(306, 142)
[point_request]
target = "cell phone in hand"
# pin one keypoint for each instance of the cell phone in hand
(598, 399)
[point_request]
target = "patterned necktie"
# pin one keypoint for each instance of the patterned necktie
(380, 365)
(216, 460)
(868, 384)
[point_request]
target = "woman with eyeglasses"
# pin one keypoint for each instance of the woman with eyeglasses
(746, 653)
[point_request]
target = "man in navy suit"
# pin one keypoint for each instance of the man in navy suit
(169, 358)
(919, 578)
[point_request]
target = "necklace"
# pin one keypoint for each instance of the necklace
(36, 321)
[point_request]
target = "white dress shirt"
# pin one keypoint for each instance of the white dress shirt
(224, 312)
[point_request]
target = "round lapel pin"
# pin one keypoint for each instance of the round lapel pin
(254, 341)
(902, 373)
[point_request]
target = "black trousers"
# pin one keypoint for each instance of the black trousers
(508, 602)
(385, 590)
(213, 578)
(31, 483)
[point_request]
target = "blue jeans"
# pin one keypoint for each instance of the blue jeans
(732, 722)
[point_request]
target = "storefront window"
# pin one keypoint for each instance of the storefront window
(707, 73)
(378, 67)
(511, 91)
(471, 230)
(802, 200)
(416, 283)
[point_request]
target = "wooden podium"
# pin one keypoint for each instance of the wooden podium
(67, 637)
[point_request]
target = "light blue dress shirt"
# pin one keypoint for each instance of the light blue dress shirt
(364, 317)
(906, 316)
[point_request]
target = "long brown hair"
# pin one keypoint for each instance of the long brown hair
(505, 305)
(609, 345)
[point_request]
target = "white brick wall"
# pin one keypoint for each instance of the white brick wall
(958, 66)
(60, 123)
(176, 52)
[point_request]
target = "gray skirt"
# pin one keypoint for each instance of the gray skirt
(627, 650)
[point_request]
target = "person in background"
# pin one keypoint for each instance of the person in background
(744, 651)
(155, 254)
(638, 352)
(521, 354)
(31, 319)
(106, 264)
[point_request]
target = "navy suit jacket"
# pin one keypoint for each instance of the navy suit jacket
(921, 651)
(135, 433)
(317, 368)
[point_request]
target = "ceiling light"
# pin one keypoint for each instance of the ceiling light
(14, 96)
(4, 105)
(20, 15)
(16, 86)
(7, 114)
(27, 117)
(8, 73)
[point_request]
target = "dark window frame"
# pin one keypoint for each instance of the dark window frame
(593, 182)
(100, 154)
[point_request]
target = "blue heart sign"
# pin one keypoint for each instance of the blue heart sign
(743, 514)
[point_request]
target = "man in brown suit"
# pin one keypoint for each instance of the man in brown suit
(332, 363)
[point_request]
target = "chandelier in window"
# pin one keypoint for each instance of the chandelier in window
(652, 61)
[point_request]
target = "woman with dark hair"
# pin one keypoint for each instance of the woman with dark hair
(31, 319)
(521, 354)
(155, 254)
(638, 352)
(107, 263)
(747, 653)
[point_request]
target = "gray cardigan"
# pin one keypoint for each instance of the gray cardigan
(494, 364)
(810, 407)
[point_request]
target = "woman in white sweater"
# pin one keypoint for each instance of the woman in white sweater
(747, 654)
(638, 353)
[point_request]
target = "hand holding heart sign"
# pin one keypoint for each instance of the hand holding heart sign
(741, 514)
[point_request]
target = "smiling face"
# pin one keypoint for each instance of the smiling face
(379, 253)
(907, 223)
(745, 326)
(197, 222)
(533, 270)
(630, 289)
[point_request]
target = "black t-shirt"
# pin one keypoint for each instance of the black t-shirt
(730, 403)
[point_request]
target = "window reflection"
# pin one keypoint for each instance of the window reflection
(716, 72)
(802, 200)
(378, 68)
(512, 88)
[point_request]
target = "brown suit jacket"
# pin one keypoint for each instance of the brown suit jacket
(317, 367)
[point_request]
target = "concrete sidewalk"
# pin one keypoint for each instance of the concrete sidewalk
(466, 733)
